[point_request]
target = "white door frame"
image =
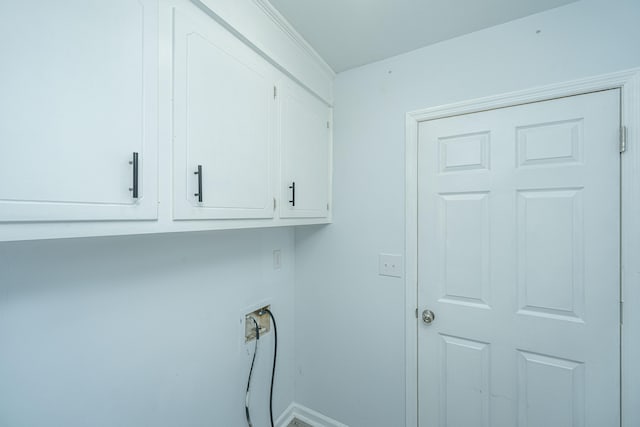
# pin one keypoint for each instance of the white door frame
(629, 84)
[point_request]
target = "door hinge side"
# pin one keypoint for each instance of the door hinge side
(623, 139)
(275, 92)
(622, 312)
(274, 203)
(416, 312)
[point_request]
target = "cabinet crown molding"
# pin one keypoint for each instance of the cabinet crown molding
(280, 21)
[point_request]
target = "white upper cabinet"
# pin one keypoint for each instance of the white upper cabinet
(79, 98)
(223, 116)
(305, 153)
(155, 116)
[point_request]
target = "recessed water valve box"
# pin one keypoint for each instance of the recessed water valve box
(263, 320)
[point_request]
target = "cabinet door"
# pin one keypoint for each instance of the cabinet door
(305, 144)
(224, 114)
(79, 88)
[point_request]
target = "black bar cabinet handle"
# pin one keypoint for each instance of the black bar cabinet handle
(293, 193)
(199, 193)
(134, 189)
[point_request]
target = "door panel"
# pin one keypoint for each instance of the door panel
(464, 235)
(550, 391)
(518, 248)
(464, 376)
(557, 288)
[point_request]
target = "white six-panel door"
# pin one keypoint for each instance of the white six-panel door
(518, 249)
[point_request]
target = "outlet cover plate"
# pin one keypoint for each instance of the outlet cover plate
(390, 265)
(277, 259)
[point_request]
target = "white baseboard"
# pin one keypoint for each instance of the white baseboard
(306, 415)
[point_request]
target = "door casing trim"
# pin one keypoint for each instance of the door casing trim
(628, 82)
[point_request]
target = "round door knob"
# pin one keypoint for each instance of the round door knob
(428, 316)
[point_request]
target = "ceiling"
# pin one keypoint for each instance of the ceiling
(349, 33)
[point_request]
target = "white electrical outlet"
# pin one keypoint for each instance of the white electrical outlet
(390, 265)
(277, 259)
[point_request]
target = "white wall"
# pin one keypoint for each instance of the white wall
(350, 321)
(141, 330)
